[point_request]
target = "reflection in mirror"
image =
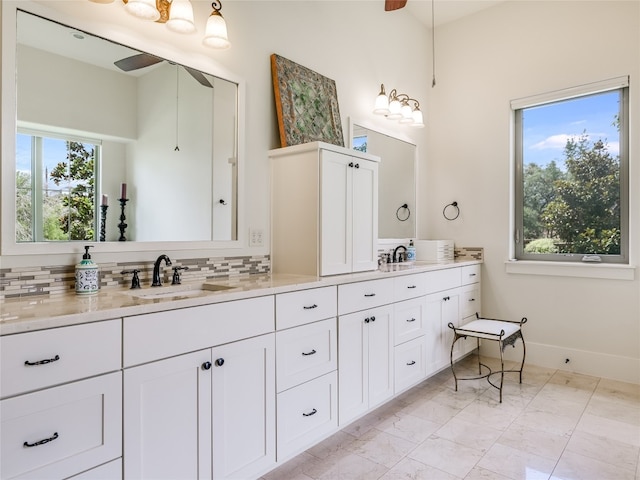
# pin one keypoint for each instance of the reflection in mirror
(96, 119)
(396, 180)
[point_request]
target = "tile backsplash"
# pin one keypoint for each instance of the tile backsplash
(58, 279)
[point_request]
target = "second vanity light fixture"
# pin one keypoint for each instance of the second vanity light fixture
(399, 106)
(178, 17)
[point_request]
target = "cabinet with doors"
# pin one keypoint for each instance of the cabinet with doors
(329, 194)
(61, 402)
(209, 413)
(306, 368)
(365, 347)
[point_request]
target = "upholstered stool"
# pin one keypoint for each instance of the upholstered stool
(505, 332)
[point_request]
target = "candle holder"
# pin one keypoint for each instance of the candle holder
(103, 222)
(122, 226)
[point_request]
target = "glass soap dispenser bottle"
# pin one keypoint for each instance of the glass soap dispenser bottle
(87, 274)
(411, 252)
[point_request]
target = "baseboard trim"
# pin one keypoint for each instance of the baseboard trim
(615, 367)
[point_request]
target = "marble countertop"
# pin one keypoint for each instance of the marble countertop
(42, 312)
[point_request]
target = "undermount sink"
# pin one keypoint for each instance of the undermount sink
(176, 291)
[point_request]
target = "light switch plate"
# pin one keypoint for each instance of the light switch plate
(256, 237)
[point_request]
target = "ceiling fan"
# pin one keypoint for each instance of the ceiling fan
(390, 5)
(143, 60)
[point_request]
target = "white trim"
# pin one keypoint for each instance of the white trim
(572, 92)
(597, 364)
(609, 271)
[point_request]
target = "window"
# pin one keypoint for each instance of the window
(55, 187)
(571, 187)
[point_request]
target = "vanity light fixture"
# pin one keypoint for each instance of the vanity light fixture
(178, 16)
(399, 106)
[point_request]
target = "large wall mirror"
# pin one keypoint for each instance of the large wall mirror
(397, 179)
(96, 120)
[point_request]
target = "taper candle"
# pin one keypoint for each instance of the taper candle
(105, 200)
(123, 190)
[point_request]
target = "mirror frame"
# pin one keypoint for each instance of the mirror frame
(402, 138)
(8, 115)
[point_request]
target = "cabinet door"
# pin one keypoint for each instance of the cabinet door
(451, 314)
(380, 355)
(437, 352)
(365, 216)
(244, 408)
(336, 212)
(167, 418)
(353, 380)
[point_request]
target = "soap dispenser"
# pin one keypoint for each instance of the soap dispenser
(87, 275)
(411, 252)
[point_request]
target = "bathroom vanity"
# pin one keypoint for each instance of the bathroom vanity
(226, 380)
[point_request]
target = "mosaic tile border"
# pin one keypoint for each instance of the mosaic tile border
(59, 279)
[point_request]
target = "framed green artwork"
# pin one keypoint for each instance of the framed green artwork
(306, 104)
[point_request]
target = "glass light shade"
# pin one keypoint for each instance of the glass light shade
(144, 9)
(418, 120)
(407, 113)
(215, 34)
(181, 17)
(381, 106)
(395, 109)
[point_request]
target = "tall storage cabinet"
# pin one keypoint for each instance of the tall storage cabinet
(324, 204)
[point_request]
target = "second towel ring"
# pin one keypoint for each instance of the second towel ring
(405, 207)
(453, 212)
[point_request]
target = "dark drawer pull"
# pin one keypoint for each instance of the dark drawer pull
(411, 286)
(369, 294)
(311, 307)
(472, 274)
(312, 412)
(42, 362)
(411, 320)
(312, 352)
(41, 442)
(412, 362)
(472, 299)
(219, 362)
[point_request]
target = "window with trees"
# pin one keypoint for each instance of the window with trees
(55, 187)
(571, 187)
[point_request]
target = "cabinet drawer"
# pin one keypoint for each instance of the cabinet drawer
(409, 320)
(178, 331)
(470, 274)
(409, 286)
(108, 471)
(470, 300)
(305, 352)
(410, 364)
(35, 360)
(61, 431)
(305, 306)
(353, 297)
(306, 414)
(443, 279)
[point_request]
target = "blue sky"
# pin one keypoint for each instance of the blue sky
(547, 128)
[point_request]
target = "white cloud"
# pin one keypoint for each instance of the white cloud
(554, 142)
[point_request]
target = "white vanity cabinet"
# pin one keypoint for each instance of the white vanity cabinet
(205, 414)
(61, 407)
(329, 196)
(365, 347)
(306, 363)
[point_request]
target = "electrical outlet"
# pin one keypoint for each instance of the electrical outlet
(256, 237)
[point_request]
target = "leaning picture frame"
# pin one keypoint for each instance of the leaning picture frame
(306, 104)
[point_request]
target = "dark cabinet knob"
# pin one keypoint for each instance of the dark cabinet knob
(206, 365)
(219, 362)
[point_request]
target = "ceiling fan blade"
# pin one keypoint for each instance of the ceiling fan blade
(199, 77)
(137, 61)
(390, 5)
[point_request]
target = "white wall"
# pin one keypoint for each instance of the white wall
(510, 51)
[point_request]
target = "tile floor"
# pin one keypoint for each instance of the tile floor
(555, 425)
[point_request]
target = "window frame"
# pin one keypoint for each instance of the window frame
(37, 139)
(620, 84)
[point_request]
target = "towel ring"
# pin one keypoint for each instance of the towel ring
(405, 207)
(452, 215)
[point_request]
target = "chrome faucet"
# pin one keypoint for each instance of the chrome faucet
(156, 270)
(395, 259)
